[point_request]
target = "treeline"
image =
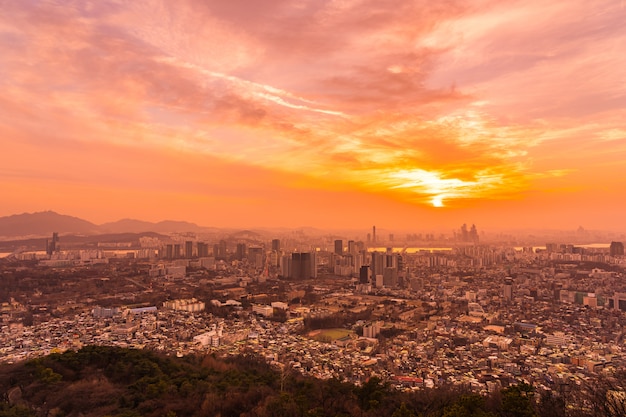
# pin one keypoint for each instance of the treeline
(109, 381)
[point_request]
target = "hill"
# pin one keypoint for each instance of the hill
(43, 224)
(98, 380)
(139, 226)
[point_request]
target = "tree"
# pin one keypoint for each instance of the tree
(403, 411)
(468, 405)
(371, 393)
(517, 401)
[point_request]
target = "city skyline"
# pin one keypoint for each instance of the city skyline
(325, 114)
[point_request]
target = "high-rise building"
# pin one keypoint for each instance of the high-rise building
(188, 249)
(616, 249)
(219, 250)
(364, 274)
(303, 265)
(203, 250)
(276, 245)
(241, 251)
(390, 277)
(176, 250)
(169, 251)
(508, 288)
(339, 247)
(381, 261)
(351, 247)
(285, 266)
(53, 245)
(374, 234)
(255, 256)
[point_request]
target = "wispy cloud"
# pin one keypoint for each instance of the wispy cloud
(435, 103)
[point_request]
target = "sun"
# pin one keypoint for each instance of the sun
(437, 201)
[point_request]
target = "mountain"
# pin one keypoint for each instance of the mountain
(43, 224)
(139, 226)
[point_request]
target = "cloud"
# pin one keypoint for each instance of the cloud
(438, 103)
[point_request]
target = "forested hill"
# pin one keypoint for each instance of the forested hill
(109, 381)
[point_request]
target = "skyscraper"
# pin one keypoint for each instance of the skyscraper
(276, 245)
(616, 249)
(364, 273)
(203, 250)
(374, 234)
(351, 247)
(52, 246)
(255, 256)
(339, 247)
(241, 251)
(303, 265)
(188, 249)
(508, 288)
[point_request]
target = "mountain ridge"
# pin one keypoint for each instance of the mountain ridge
(44, 223)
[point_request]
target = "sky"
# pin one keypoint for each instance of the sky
(328, 113)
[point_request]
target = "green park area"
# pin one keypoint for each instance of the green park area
(329, 335)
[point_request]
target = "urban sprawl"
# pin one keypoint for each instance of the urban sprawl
(481, 315)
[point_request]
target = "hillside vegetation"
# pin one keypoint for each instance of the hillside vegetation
(109, 381)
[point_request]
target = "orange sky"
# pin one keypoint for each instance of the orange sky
(328, 113)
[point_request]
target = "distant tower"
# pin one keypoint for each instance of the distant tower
(508, 288)
(52, 246)
(276, 245)
(339, 247)
(374, 234)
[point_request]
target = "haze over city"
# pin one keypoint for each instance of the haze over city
(316, 113)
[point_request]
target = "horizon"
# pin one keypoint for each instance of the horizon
(508, 115)
(583, 234)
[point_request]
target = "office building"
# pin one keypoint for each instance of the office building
(53, 245)
(255, 256)
(169, 251)
(203, 250)
(219, 250)
(188, 249)
(339, 247)
(303, 265)
(352, 247)
(616, 249)
(276, 245)
(364, 274)
(240, 252)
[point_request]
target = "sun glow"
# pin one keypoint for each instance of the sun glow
(437, 201)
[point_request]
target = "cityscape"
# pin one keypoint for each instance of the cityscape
(417, 310)
(272, 208)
